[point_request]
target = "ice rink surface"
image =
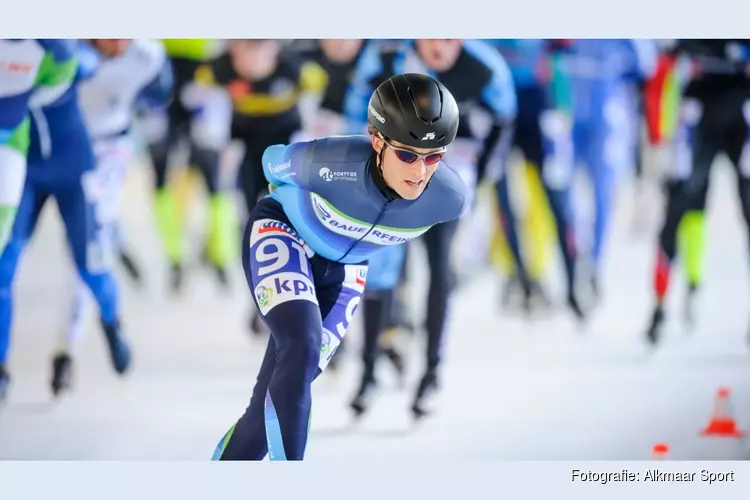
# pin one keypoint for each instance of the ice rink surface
(513, 389)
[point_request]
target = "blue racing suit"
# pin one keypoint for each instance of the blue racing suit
(60, 166)
(599, 75)
(304, 253)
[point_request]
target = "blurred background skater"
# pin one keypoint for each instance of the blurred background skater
(543, 134)
(338, 58)
(127, 73)
(480, 81)
(522, 258)
(195, 116)
(265, 84)
(61, 165)
(714, 117)
(51, 68)
(601, 77)
(662, 94)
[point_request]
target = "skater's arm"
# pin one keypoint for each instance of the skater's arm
(499, 97)
(158, 92)
(158, 79)
(290, 164)
(56, 72)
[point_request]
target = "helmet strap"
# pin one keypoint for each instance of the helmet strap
(379, 178)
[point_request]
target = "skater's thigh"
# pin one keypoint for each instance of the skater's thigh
(79, 202)
(278, 271)
(112, 161)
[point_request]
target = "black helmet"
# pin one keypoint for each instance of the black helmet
(414, 110)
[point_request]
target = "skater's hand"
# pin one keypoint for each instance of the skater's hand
(271, 188)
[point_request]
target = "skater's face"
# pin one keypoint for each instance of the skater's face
(111, 47)
(439, 54)
(254, 59)
(405, 169)
(341, 50)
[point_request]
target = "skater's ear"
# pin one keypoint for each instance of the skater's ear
(377, 140)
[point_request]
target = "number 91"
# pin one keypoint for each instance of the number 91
(276, 251)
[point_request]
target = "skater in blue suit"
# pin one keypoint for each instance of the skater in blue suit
(334, 202)
(61, 166)
(600, 75)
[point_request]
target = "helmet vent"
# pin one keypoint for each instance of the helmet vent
(429, 121)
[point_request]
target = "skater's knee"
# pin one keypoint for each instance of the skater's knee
(104, 289)
(298, 332)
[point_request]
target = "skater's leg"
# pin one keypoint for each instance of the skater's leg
(438, 242)
(696, 146)
(278, 273)
(163, 131)
(737, 142)
(607, 144)
(384, 270)
(72, 334)
(692, 238)
(308, 304)
(25, 222)
(246, 440)
(80, 205)
(113, 157)
(557, 175)
(12, 177)
(210, 132)
(540, 224)
(509, 227)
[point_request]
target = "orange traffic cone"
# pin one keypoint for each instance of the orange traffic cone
(722, 423)
(660, 452)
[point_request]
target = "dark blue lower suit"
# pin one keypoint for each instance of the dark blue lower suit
(308, 303)
(61, 166)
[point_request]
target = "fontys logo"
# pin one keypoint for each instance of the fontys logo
(326, 174)
(264, 296)
(329, 175)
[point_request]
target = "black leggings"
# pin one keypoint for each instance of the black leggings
(178, 123)
(379, 307)
(722, 128)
